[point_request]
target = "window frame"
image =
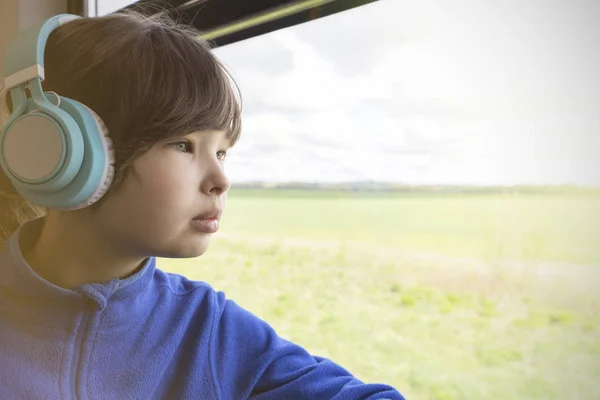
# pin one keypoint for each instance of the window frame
(229, 21)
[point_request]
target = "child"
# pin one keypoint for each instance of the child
(91, 196)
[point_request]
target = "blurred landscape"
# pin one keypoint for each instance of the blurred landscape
(454, 293)
(461, 257)
(369, 187)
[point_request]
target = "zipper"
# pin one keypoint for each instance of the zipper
(78, 348)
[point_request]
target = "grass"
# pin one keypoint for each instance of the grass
(445, 298)
(550, 227)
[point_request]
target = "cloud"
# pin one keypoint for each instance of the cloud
(424, 92)
(264, 54)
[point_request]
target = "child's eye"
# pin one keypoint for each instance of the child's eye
(221, 155)
(184, 147)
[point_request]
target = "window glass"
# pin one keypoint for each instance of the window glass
(417, 195)
(103, 7)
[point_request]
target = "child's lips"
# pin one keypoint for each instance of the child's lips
(208, 222)
(215, 213)
(206, 225)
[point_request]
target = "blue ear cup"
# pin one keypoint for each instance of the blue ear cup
(97, 170)
(55, 150)
(54, 167)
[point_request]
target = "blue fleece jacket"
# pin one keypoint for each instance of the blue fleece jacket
(153, 335)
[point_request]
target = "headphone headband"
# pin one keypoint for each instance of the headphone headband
(20, 63)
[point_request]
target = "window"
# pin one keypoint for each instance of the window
(102, 7)
(416, 195)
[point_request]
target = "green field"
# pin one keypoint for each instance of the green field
(445, 297)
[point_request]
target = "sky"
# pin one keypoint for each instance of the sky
(465, 92)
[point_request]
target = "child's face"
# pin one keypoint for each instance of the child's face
(154, 212)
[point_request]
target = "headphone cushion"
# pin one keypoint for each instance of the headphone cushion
(97, 170)
(109, 171)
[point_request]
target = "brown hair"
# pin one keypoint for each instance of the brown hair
(148, 78)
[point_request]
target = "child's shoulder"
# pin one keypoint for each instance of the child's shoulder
(187, 289)
(180, 284)
(201, 298)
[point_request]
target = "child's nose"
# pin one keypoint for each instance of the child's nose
(216, 182)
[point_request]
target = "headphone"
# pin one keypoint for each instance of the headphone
(55, 150)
